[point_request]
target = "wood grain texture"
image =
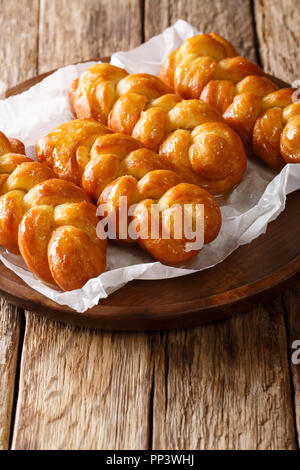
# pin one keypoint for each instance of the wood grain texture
(291, 303)
(18, 61)
(231, 18)
(10, 319)
(74, 30)
(278, 32)
(225, 386)
(80, 389)
(18, 40)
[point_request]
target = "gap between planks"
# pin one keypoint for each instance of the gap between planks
(17, 376)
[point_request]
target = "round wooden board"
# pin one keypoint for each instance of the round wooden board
(252, 273)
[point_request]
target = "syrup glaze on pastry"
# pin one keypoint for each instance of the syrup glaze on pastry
(116, 165)
(50, 222)
(140, 105)
(266, 119)
(155, 199)
(88, 153)
(203, 58)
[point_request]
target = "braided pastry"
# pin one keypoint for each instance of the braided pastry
(114, 165)
(267, 120)
(51, 222)
(203, 58)
(67, 148)
(8, 145)
(189, 134)
(155, 200)
(96, 91)
(86, 152)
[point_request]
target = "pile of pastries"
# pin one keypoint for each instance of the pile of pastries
(180, 139)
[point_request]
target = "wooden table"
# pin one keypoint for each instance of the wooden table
(230, 385)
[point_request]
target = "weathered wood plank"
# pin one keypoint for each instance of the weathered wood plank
(18, 40)
(278, 32)
(81, 389)
(10, 319)
(291, 300)
(85, 29)
(18, 61)
(225, 386)
(232, 18)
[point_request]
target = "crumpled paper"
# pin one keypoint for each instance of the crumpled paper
(246, 210)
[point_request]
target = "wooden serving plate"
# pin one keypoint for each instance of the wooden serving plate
(254, 272)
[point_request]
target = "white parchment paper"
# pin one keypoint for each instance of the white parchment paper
(246, 211)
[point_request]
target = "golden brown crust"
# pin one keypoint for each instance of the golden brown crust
(17, 146)
(20, 175)
(211, 156)
(126, 112)
(93, 94)
(51, 222)
(198, 146)
(72, 94)
(66, 149)
(203, 58)
(229, 49)
(242, 114)
(290, 140)
(267, 121)
(127, 157)
(98, 89)
(236, 68)
(11, 214)
(207, 66)
(266, 137)
(64, 249)
(102, 157)
(218, 93)
(157, 197)
(10, 145)
(141, 106)
(11, 204)
(5, 145)
(144, 108)
(167, 70)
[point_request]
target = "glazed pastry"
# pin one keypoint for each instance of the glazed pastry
(211, 155)
(203, 58)
(89, 154)
(190, 134)
(114, 165)
(98, 89)
(67, 148)
(50, 222)
(160, 204)
(267, 119)
(9, 145)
